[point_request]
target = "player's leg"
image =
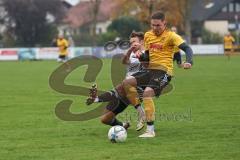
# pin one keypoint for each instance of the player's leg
(109, 118)
(141, 112)
(105, 97)
(139, 108)
(65, 61)
(114, 107)
(159, 80)
(111, 96)
(111, 111)
(60, 58)
(149, 111)
(227, 52)
(130, 88)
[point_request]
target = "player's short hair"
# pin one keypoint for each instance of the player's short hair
(158, 15)
(140, 35)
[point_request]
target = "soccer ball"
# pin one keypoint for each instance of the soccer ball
(117, 134)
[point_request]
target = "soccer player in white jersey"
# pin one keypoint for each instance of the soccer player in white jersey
(117, 101)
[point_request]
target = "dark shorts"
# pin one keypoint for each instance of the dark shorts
(177, 57)
(155, 79)
(117, 105)
(228, 51)
(62, 57)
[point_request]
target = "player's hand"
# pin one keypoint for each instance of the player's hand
(187, 65)
(135, 46)
(131, 49)
(138, 54)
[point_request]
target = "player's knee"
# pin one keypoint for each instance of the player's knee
(105, 120)
(120, 89)
(130, 81)
(148, 92)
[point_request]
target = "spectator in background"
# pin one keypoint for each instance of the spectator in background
(228, 45)
(62, 44)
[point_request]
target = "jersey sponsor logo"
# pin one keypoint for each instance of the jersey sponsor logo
(156, 46)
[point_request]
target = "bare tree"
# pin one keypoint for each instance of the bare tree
(187, 20)
(178, 11)
(95, 11)
(27, 19)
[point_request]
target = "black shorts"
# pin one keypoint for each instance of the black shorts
(227, 50)
(177, 57)
(62, 57)
(117, 105)
(155, 79)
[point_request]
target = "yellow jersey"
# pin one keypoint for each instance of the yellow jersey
(228, 42)
(62, 45)
(161, 49)
(176, 49)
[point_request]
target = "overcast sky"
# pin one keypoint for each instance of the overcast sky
(72, 2)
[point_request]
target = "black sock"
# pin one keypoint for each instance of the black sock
(116, 122)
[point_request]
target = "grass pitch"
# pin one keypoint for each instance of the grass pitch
(198, 120)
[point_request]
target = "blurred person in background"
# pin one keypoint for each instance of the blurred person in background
(228, 45)
(62, 45)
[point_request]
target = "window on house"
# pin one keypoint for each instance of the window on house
(231, 7)
(237, 7)
(224, 9)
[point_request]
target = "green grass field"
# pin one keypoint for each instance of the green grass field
(200, 119)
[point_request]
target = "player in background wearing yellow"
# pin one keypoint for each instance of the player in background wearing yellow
(62, 44)
(160, 42)
(228, 45)
(177, 55)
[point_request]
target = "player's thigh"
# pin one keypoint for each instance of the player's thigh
(123, 104)
(158, 81)
(142, 78)
(120, 90)
(130, 80)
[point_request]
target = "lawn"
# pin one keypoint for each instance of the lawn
(199, 119)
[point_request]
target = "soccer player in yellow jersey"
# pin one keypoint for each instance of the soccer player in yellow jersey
(228, 44)
(160, 42)
(62, 44)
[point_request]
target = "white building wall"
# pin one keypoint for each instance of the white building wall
(220, 27)
(102, 27)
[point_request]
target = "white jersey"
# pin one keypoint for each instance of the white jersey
(134, 65)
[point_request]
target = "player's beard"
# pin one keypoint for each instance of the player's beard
(158, 32)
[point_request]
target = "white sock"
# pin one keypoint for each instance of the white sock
(96, 99)
(141, 112)
(150, 128)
